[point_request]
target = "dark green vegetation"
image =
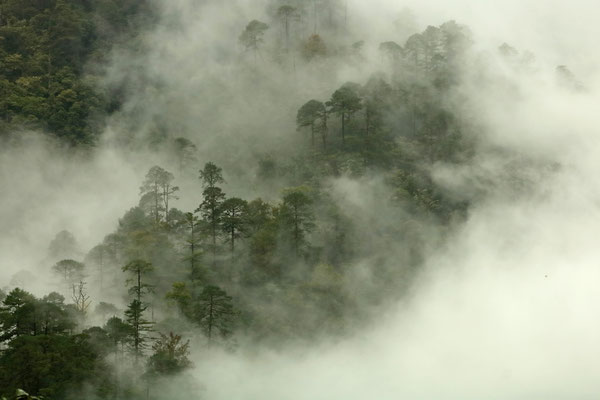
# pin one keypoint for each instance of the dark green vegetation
(46, 50)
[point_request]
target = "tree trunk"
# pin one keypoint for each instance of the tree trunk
(296, 231)
(139, 289)
(210, 319)
(343, 128)
(192, 257)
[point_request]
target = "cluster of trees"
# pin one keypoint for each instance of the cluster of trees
(297, 27)
(42, 350)
(272, 270)
(44, 47)
(46, 348)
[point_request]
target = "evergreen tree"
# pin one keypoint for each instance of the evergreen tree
(308, 115)
(233, 219)
(157, 190)
(139, 327)
(252, 37)
(193, 243)
(297, 216)
(170, 355)
(138, 269)
(214, 312)
(345, 102)
(70, 271)
(213, 197)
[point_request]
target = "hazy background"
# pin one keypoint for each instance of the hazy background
(508, 308)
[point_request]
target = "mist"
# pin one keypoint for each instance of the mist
(503, 301)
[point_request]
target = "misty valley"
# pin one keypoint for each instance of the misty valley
(298, 199)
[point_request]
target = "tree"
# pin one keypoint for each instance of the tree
(52, 316)
(98, 257)
(286, 13)
(70, 271)
(314, 47)
(156, 191)
(258, 214)
(193, 242)
(376, 94)
(138, 268)
(185, 151)
(17, 315)
(52, 365)
(233, 218)
(181, 295)
(103, 309)
(23, 314)
(211, 175)
(322, 128)
(392, 50)
(135, 310)
(252, 37)
(414, 51)
(134, 316)
(308, 115)
(170, 355)
(63, 246)
(213, 196)
(118, 331)
(296, 215)
(81, 299)
(168, 191)
(345, 102)
(214, 312)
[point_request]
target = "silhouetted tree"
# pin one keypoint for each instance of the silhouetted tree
(345, 102)
(214, 312)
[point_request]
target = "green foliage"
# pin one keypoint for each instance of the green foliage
(193, 242)
(252, 37)
(214, 312)
(138, 269)
(44, 48)
(296, 216)
(233, 219)
(181, 295)
(118, 331)
(51, 365)
(185, 152)
(309, 115)
(210, 208)
(345, 102)
(138, 328)
(211, 175)
(40, 354)
(70, 271)
(22, 314)
(314, 47)
(170, 355)
(156, 192)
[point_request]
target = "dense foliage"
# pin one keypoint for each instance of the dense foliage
(45, 50)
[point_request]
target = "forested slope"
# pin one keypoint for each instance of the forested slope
(301, 264)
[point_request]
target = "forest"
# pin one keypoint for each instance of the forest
(306, 208)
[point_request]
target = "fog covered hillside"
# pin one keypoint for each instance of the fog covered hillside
(299, 199)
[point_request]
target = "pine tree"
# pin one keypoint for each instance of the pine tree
(139, 326)
(214, 312)
(213, 197)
